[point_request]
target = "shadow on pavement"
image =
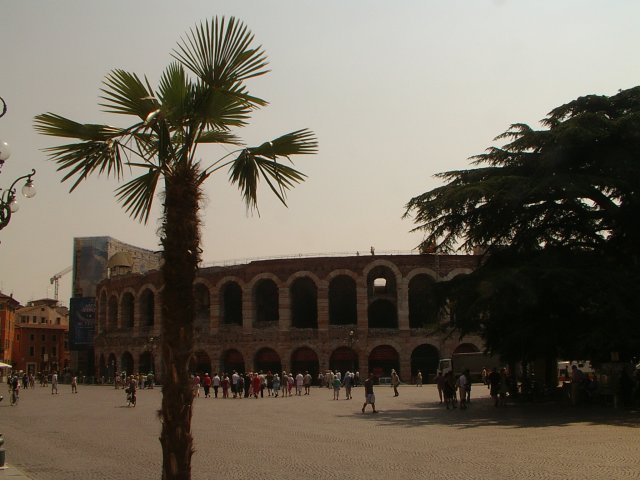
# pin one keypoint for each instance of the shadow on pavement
(482, 413)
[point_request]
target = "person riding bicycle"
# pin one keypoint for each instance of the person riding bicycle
(132, 386)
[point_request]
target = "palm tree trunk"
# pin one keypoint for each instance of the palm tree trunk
(181, 247)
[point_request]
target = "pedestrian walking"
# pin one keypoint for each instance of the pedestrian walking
(395, 381)
(369, 396)
(206, 382)
(54, 383)
(74, 384)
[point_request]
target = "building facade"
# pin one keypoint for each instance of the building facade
(8, 306)
(91, 256)
(357, 313)
(41, 337)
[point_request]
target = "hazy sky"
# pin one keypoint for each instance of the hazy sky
(396, 92)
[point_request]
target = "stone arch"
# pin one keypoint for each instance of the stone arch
(112, 313)
(113, 365)
(146, 363)
(304, 303)
(457, 271)
(343, 308)
(126, 362)
(382, 279)
(128, 310)
(202, 299)
(422, 303)
(382, 314)
(422, 271)
(231, 360)
(383, 359)
(305, 359)
(200, 363)
(425, 358)
(103, 371)
(466, 348)
(343, 359)
(147, 307)
(231, 303)
(267, 359)
(266, 302)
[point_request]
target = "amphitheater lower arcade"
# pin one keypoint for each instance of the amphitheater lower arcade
(356, 313)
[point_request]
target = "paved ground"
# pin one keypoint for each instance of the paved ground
(94, 436)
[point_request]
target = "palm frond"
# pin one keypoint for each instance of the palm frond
(125, 93)
(58, 126)
(220, 53)
(218, 136)
(137, 195)
(100, 150)
(300, 142)
(175, 92)
(247, 170)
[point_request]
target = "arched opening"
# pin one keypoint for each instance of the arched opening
(381, 283)
(267, 305)
(103, 370)
(200, 363)
(113, 366)
(147, 308)
(382, 360)
(128, 311)
(382, 314)
(202, 308)
(343, 359)
(232, 360)
(102, 312)
(424, 358)
(112, 314)
(422, 304)
(231, 304)
(304, 303)
(342, 301)
(146, 363)
(304, 360)
(127, 363)
(267, 359)
(466, 348)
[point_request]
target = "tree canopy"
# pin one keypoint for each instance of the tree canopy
(556, 212)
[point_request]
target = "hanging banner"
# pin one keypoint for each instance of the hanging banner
(82, 322)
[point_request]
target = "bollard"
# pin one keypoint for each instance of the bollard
(1, 451)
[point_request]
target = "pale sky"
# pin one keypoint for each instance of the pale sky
(395, 91)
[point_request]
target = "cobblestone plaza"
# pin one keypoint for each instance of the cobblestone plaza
(94, 435)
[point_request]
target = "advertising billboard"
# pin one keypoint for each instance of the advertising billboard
(82, 322)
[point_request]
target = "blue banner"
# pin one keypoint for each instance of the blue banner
(82, 322)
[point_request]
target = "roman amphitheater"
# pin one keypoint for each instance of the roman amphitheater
(357, 313)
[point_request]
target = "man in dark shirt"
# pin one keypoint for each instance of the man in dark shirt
(370, 398)
(494, 385)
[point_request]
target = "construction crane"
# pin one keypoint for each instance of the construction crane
(54, 281)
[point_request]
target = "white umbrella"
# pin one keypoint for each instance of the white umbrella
(4, 365)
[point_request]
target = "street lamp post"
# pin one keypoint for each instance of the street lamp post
(352, 339)
(8, 199)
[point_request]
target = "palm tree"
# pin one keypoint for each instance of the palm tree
(200, 98)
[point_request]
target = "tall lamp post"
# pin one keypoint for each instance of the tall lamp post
(8, 201)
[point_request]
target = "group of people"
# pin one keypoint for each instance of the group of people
(252, 384)
(19, 380)
(142, 380)
(259, 384)
(456, 391)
